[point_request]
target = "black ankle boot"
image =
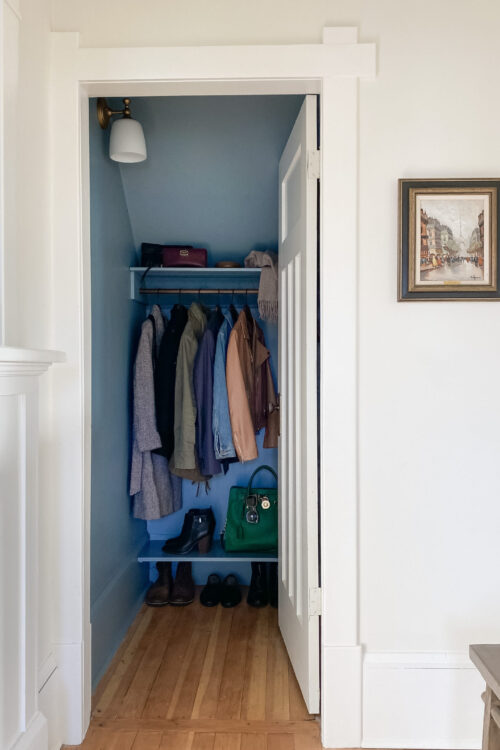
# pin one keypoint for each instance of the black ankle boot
(272, 583)
(257, 593)
(197, 529)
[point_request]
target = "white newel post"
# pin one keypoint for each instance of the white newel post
(22, 725)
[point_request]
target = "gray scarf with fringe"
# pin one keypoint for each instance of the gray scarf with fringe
(268, 288)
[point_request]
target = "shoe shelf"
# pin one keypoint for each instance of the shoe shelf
(152, 552)
(191, 280)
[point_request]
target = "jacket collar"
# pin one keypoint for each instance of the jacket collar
(159, 322)
(197, 319)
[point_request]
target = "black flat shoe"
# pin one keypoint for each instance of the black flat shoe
(257, 593)
(210, 595)
(230, 594)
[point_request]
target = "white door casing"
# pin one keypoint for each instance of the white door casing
(331, 68)
(298, 448)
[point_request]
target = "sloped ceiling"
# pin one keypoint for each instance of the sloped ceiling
(211, 176)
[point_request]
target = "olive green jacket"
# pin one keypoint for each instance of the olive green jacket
(183, 462)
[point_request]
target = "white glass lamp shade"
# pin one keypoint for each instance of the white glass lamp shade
(126, 143)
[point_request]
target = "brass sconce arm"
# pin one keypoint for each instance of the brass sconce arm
(104, 113)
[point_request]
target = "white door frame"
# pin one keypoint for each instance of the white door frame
(331, 69)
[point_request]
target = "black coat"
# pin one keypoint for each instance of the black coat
(165, 378)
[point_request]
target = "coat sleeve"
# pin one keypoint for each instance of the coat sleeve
(239, 409)
(145, 431)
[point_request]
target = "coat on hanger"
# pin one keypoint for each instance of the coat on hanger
(156, 493)
(165, 378)
(203, 381)
(252, 398)
(184, 462)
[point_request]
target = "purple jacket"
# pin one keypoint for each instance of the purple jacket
(203, 381)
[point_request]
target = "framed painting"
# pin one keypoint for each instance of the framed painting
(448, 239)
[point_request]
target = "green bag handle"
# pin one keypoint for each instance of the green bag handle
(260, 468)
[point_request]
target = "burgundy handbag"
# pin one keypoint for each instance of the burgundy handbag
(196, 257)
(152, 255)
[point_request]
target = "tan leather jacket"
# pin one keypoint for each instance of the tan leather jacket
(252, 398)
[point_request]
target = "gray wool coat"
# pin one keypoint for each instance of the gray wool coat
(155, 491)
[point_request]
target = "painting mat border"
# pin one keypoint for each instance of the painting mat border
(491, 192)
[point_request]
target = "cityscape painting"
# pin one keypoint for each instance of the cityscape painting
(448, 244)
(450, 240)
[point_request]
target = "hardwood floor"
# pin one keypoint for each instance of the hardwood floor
(193, 678)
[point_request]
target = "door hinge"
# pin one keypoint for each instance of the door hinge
(314, 165)
(315, 600)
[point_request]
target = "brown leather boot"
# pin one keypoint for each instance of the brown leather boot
(183, 589)
(158, 593)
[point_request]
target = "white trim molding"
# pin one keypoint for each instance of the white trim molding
(22, 725)
(331, 69)
(421, 700)
(26, 362)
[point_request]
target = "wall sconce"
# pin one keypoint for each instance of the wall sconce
(126, 143)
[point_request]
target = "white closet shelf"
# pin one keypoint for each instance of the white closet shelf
(152, 552)
(187, 279)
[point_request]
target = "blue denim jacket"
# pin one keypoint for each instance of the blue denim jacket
(221, 423)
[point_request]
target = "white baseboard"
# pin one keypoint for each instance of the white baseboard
(35, 737)
(70, 660)
(46, 670)
(49, 701)
(341, 696)
(421, 700)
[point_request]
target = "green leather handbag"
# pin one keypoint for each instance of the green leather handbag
(252, 518)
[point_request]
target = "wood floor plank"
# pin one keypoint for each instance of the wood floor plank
(306, 742)
(113, 679)
(114, 705)
(134, 635)
(255, 685)
(165, 681)
(177, 741)
(207, 696)
(134, 700)
(227, 741)
(253, 741)
(147, 740)
(280, 742)
(201, 679)
(203, 741)
(231, 690)
(210, 725)
(278, 701)
(106, 740)
(181, 705)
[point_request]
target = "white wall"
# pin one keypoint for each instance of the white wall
(126, 23)
(428, 395)
(27, 266)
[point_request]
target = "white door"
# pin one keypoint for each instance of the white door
(298, 452)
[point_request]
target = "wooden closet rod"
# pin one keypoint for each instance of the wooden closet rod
(198, 291)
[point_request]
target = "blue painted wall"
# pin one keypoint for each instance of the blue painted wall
(117, 582)
(211, 176)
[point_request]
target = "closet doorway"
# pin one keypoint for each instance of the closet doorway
(294, 349)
